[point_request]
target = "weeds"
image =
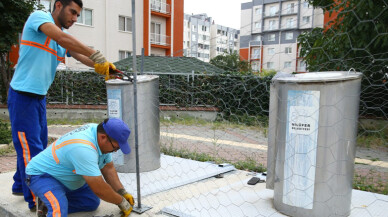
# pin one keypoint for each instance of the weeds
(372, 182)
(248, 164)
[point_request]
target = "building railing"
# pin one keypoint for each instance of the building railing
(160, 39)
(159, 6)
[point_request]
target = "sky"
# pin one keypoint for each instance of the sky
(224, 12)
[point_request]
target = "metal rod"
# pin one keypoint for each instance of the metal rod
(134, 68)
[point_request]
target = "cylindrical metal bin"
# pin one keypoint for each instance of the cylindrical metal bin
(121, 105)
(313, 129)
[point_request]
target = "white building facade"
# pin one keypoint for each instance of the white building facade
(205, 40)
(106, 25)
(269, 32)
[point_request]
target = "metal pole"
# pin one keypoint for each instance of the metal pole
(134, 68)
(139, 208)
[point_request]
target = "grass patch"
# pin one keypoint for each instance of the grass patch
(372, 182)
(72, 122)
(247, 164)
(7, 150)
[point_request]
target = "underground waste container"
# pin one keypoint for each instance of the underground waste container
(120, 95)
(311, 142)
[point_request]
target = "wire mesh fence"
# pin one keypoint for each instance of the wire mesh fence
(214, 123)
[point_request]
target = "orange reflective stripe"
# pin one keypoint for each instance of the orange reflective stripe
(25, 147)
(47, 43)
(54, 203)
(43, 47)
(53, 152)
(68, 142)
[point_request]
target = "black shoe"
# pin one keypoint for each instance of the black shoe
(42, 209)
(18, 193)
(33, 209)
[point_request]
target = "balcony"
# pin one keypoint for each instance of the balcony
(161, 7)
(271, 28)
(271, 14)
(162, 40)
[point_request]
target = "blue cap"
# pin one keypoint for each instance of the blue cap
(119, 131)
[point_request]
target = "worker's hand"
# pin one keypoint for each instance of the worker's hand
(126, 195)
(125, 208)
(101, 65)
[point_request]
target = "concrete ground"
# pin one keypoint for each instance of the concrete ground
(211, 196)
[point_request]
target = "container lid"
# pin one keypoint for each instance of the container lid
(140, 79)
(320, 76)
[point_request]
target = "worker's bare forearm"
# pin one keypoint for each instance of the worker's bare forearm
(110, 175)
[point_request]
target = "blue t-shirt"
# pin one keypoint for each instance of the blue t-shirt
(70, 157)
(39, 57)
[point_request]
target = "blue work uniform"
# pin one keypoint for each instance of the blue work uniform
(56, 174)
(39, 57)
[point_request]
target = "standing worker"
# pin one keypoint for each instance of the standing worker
(58, 174)
(43, 46)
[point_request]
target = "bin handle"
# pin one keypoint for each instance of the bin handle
(351, 70)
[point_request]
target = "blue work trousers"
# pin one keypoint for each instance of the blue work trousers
(29, 134)
(59, 199)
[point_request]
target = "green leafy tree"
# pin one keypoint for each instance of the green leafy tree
(231, 62)
(357, 38)
(14, 14)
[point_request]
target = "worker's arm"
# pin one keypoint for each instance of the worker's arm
(110, 175)
(83, 59)
(67, 41)
(103, 190)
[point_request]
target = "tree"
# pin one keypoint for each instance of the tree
(357, 38)
(14, 14)
(231, 62)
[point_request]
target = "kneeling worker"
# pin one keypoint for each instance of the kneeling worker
(68, 176)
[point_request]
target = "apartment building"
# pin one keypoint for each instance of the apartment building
(205, 40)
(106, 25)
(269, 31)
(223, 39)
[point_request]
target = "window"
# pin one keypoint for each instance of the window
(255, 66)
(125, 24)
(258, 11)
(305, 4)
(272, 11)
(288, 50)
(124, 54)
(193, 38)
(271, 51)
(287, 64)
(290, 8)
(306, 19)
(256, 38)
(289, 35)
(86, 17)
(270, 65)
(194, 28)
(271, 37)
(272, 24)
(156, 36)
(204, 28)
(257, 25)
(290, 22)
(256, 53)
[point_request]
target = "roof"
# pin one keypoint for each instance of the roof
(170, 65)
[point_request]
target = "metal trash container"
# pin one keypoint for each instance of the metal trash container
(311, 142)
(121, 105)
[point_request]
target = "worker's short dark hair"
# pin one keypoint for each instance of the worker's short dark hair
(67, 2)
